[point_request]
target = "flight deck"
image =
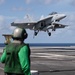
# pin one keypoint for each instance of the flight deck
(51, 60)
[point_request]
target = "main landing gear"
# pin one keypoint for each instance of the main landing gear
(35, 33)
(49, 33)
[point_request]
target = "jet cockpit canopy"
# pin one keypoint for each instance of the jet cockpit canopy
(53, 13)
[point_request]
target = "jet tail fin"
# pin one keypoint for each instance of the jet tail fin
(42, 17)
(29, 18)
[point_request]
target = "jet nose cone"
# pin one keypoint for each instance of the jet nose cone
(63, 16)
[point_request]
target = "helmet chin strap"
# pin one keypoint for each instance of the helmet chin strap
(17, 41)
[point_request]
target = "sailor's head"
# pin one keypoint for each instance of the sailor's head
(19, 34)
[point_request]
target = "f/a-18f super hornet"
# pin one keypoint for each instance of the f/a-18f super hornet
(44, 24)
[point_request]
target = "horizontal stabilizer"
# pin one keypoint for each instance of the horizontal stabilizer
(58, 25)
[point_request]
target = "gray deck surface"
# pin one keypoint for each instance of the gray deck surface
(51, 61)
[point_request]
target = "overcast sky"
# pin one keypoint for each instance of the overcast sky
(16, 10)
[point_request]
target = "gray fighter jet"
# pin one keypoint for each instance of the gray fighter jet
(44, 24)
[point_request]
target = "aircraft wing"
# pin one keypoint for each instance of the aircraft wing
(45, 19)
(29, 25)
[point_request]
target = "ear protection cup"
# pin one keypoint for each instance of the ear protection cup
(25, 36)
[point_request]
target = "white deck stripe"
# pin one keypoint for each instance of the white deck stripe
(1, 68)
(49, 56)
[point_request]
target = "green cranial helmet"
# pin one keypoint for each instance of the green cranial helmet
(19, 33)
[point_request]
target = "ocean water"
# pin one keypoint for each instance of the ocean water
(46, 44)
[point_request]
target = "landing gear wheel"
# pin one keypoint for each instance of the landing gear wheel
(49, 34)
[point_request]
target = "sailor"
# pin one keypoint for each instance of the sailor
(16, 55)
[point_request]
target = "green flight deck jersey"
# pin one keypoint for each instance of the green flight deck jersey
(16, 58)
